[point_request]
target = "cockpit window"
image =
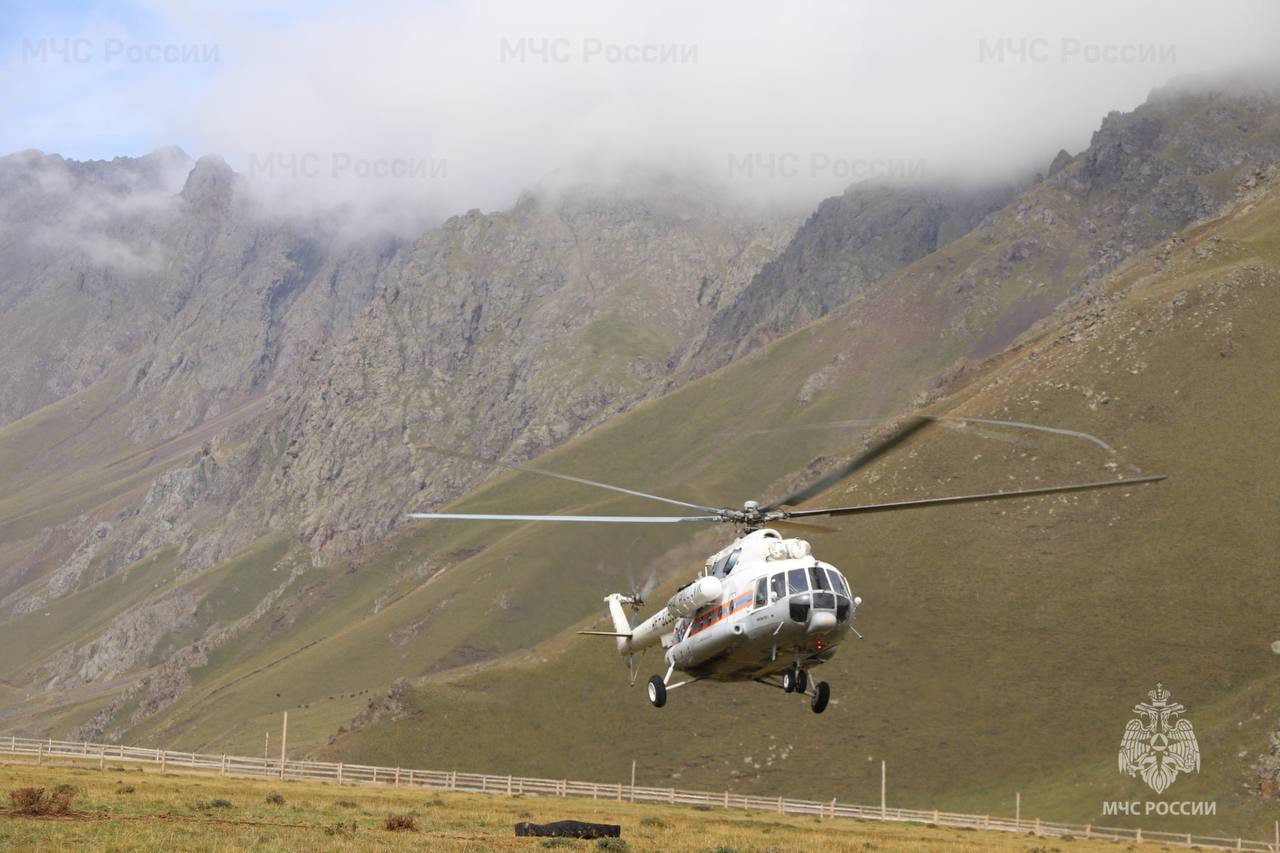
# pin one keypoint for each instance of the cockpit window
(796, 581)
(778, 586)
(819, 578)
(837, 580)
(726, 563)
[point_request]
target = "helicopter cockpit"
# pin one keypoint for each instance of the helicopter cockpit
(814, 587)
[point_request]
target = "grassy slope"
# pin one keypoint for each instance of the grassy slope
(1006, 642)
(126, 809)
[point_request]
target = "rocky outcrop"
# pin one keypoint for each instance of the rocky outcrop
(848, 244)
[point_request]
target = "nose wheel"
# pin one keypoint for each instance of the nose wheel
(795, 680)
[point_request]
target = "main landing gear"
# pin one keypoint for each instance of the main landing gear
(659, 685)
(796, 680)
(657, 691)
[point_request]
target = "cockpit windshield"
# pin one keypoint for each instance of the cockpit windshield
(819, 578)
(796, 582)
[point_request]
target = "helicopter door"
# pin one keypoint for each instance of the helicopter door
(762, 593)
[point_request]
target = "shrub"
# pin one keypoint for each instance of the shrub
(126, 789)
(38, 801)
(346, 804)
(219, 803)
(611, 844)
(400, 823)
(275, 798)
(655, 822)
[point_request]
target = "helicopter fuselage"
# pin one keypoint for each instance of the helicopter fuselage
(777, 608)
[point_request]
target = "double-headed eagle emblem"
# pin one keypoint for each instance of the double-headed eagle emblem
(1157, 746)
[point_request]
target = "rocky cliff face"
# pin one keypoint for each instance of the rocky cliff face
(200, 296)
(848, 244)
(504, 335)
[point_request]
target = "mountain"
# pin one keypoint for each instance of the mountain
(179, 578)
(1006, 643)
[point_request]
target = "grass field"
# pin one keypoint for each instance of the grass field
(129, 809)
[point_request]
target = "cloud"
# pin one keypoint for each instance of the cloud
(407, 111)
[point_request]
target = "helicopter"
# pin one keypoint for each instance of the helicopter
(764, 609)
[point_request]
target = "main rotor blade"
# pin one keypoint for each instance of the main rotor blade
(986, 496)
(528, 470)
(615, 519)
(803, 525)
(855, 464)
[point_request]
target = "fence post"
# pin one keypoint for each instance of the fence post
(1088, 830)
(1038, 830)
(453, 781)
(780, 808)
(935, 814)
(882, 783)
(673, 796)
(726, 799)
(102, 758)
(164, 756)
(397, 783)
(222, 770)
(39, 753)
(833, 810)
(619, 792)
(339, 772)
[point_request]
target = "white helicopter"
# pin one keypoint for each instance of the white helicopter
(764, 608)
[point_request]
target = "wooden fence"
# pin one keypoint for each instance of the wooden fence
(453, 780)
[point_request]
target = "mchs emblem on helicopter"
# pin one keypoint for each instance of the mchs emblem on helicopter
(764, 609)
(1158, 746)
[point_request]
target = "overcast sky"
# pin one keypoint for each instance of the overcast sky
(440, 107)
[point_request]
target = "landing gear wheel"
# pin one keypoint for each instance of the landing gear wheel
(658, 691)
(789, 681)
(821, 695)
(802, 681)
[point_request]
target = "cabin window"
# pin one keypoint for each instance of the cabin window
(819, 578)
(796, 581)
(762, 592)
(778, 586)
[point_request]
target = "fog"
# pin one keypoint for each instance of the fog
(405, 112)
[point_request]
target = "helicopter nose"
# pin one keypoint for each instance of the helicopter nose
(821, 620)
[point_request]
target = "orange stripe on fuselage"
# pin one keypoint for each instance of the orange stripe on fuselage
(719, 614)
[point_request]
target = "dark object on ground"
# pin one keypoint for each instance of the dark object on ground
(570, 829)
